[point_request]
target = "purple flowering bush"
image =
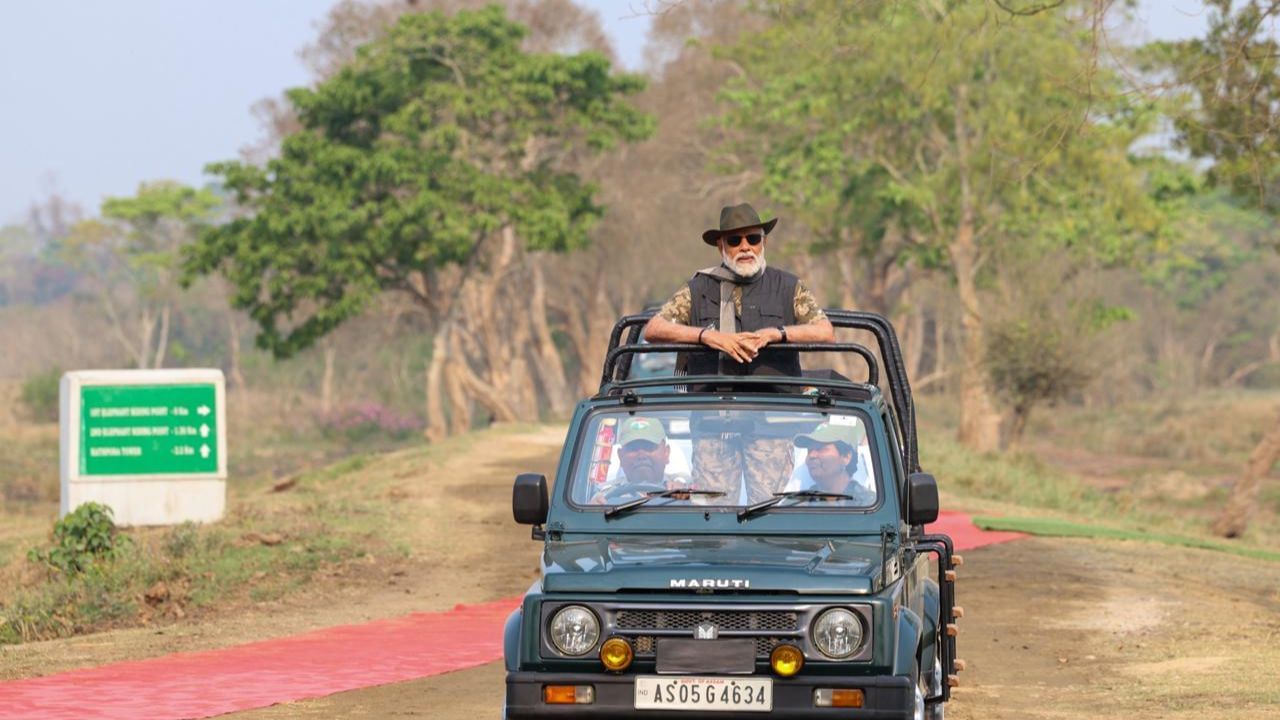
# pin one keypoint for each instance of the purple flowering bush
(368, 420)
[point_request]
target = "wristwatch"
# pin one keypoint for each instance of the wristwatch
(783, 329)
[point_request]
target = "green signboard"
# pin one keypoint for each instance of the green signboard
(148, 429)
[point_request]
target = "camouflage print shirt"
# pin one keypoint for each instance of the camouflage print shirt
(679, 309)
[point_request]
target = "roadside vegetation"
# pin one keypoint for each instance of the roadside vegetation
(1153, 468)
(1077, 247)
(299, 513)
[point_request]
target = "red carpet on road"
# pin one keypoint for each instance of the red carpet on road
(315, 664)
(965, 534)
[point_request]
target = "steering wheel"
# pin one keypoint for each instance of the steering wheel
(629, 491)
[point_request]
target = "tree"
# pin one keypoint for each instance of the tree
(962, 129)
(133, 253)
(1231, 115)
(428, 165)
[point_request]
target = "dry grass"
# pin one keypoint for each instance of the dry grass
(1151, 467)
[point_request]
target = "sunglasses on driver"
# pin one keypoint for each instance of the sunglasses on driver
(735, 240)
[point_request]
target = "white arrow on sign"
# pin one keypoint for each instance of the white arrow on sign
(204, 451)
(204, 431)
(203, 410)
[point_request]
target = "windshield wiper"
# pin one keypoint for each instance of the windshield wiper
(763, 505)
(633, 504)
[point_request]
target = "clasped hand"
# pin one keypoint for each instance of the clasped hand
(741, 346)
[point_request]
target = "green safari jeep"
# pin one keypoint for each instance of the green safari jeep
(726, 544)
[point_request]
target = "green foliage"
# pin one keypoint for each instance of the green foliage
(941, 121)
(1032, 361)
(436, 136)
(1231, 106)
(40, 395)
(85, 536)
(142, 233)
(1207, 237)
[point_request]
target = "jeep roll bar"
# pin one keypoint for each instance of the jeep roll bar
(617, 365)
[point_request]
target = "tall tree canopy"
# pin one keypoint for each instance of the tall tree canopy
(441, 136)
(132, 254)
(965, 131)
(1231, 115)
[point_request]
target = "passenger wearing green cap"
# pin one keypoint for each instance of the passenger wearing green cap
(643, 454)
(832, 460)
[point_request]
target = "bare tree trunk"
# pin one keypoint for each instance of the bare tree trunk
(547, 358)
(1244, 494)
(1244, 371)
(162, 340)
(233, 351)
(844, 363)
(913, 343)
(979, 421)
(437, 422)
(146, 331)
(485, 394)
(459, 404)
(1021, 414)
(326, 379)
(939, 347)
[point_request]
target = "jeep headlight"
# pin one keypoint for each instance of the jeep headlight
(837, 633)
(574, 630)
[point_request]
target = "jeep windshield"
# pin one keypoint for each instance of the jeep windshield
(735, 457)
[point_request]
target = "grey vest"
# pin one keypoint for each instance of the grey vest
(767, 302)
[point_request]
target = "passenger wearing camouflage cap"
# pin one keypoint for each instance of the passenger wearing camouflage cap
(643, 455)
(832, 460)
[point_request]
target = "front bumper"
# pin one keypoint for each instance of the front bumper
(887, 698)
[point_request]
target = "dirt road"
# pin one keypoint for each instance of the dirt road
(1054, 628)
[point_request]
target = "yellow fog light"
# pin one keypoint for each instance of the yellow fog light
(615, 653)
(786, 660)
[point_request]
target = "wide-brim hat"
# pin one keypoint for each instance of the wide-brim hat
(737, 217)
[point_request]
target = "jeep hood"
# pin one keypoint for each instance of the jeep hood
(712, 564)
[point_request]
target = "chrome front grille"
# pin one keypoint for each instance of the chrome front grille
(644, 625)
(768, 621)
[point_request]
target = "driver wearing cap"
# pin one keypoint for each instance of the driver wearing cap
(643, 454)
(832, 461)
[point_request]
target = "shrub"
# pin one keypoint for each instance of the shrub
(367, 420)
(40, 395)
(84, 536)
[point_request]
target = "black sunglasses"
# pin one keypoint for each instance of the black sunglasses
(735, 240)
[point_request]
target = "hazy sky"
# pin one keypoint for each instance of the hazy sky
(96, 97)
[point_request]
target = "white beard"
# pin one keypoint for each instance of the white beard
(752, 270)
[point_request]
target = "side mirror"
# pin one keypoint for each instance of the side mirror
(529, 499)
(922, 499)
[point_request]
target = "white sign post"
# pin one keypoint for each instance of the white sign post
(151, 444)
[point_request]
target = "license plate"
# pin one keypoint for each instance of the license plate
(704, 693)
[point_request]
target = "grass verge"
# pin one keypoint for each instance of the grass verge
(1061, 528)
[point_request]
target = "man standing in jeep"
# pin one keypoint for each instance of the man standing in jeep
(739, 307)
